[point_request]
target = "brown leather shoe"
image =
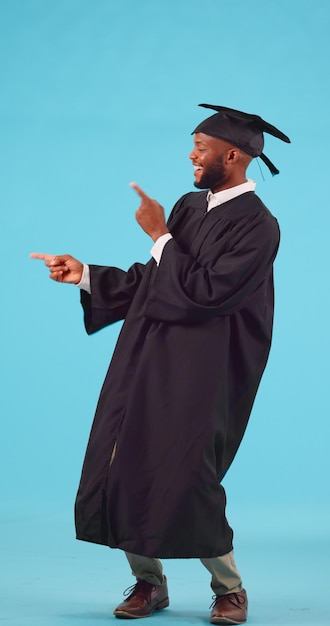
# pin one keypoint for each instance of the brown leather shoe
(143, 600)
(230, 609)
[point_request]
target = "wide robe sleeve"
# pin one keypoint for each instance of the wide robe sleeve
(217, 281)
(112, 291)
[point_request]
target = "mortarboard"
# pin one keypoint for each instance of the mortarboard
(243, 130)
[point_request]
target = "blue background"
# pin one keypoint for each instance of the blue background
(94, 95)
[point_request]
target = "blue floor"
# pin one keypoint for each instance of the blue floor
(48, 578)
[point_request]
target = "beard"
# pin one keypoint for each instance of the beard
(213, 175)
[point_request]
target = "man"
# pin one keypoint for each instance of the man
(183, 377)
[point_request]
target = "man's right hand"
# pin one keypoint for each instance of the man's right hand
(63, 268)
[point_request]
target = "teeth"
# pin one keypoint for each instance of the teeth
(197, 167)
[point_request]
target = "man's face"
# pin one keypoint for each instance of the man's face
(207, 159)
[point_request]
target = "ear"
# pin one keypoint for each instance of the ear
(233, 156)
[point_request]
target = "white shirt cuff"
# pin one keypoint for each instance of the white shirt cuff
(159, 245)
(85, 282)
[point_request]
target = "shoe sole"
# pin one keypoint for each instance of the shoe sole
(225, 620)
(124, 615)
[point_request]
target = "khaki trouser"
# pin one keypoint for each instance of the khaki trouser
(225, 576)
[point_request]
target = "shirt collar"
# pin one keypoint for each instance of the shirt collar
(214, 199)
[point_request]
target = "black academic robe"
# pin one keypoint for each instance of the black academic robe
(182, 380)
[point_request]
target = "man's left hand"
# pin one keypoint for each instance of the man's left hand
(150, 215)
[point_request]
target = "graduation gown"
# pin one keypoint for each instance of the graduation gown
(182, 380)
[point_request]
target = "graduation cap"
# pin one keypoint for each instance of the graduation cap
(243, 130)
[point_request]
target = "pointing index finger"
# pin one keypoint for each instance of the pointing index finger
(139, 191)
(43, 257)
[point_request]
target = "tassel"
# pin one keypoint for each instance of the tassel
(269, 164)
